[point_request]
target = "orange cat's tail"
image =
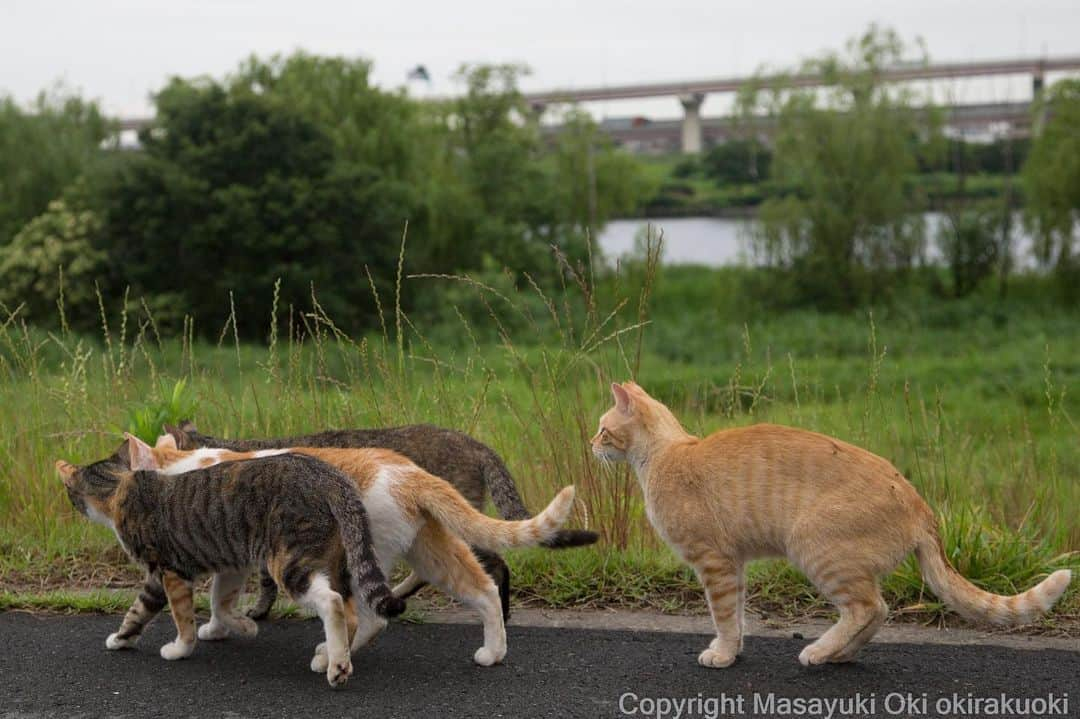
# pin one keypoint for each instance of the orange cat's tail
(444, 504)
(978, 605)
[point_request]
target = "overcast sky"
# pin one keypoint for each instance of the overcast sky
(119, 51)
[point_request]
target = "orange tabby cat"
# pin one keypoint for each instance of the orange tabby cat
(843, 516)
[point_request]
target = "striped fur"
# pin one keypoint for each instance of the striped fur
(844, 516)
(417, 516)
(300, 516)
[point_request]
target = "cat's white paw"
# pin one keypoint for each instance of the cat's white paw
(115, 642)
(213, 630)
(320, 662)
(812, 655)
(177, 650)
(716, 659)
(339, 672)
(486, 657)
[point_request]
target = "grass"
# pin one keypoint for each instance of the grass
(974, 401)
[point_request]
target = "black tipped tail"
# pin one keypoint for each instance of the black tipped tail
(566, 538)
(389, 607)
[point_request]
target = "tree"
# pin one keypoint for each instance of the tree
(846, 225)
(1052, 184)
(593, 180)
(234, 190)
(42, 150)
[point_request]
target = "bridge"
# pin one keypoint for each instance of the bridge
(647, 136)
(692, 93)
(693, 129)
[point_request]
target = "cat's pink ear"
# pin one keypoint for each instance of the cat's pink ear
(622, 398)
(140, 454)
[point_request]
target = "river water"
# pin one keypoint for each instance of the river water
(717, 241)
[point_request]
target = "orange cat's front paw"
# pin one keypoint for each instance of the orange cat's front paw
(716, 660)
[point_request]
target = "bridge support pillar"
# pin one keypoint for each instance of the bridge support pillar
(1038, 80)
(692, 133)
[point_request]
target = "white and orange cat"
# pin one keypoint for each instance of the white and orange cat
(413, 515)
(843, 516)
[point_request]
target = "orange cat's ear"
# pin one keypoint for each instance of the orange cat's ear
(140, 454)
(622, 398)
(179, 434)
(166, 441)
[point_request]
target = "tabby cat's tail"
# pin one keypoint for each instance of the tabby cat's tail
(976, 604)
(507, 500)
(368, 580)
(445, 504)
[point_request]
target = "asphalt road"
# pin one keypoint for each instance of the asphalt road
(58, 666)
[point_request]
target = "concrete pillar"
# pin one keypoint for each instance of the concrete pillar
(692, 134)
(1037, 82)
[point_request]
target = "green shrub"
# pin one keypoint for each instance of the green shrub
(55, 256)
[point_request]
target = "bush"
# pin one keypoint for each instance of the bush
(54, 254)
(738, 162)
(971, 242)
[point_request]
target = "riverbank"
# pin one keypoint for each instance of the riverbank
(683, 188)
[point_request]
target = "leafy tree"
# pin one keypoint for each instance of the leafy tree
(42, 150)
(593, 181)
(369, 126)
(847, 225)
(234, 190)
(1052, 184)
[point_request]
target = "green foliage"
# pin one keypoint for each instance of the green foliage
(145, 420)
(42, 149)
(592, 181)
(1000, 157)
(234, 190)
(53, 259)
(974, 243)
(737, 161)
(1052, 184)
(846, 225)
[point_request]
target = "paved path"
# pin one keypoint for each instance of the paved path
(58, 666)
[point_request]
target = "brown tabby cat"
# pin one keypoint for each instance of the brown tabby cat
(843, 516)
(300, 516)
(469, 465)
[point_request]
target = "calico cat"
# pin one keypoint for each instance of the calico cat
(469, 465)
(412, 514)
(843, 516)
(298, 515)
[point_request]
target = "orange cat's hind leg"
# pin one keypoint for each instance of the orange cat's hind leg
(862, 612)
(722, 578)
